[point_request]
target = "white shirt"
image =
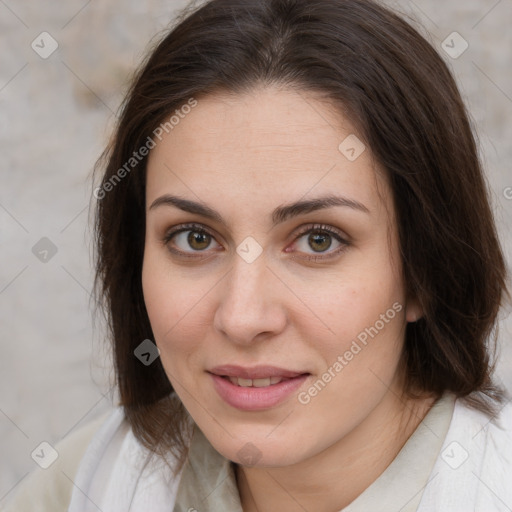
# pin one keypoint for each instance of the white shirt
(453, 463)
(457, 460)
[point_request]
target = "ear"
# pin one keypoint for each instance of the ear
(413, 311)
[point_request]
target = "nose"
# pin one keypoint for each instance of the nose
(252, 303)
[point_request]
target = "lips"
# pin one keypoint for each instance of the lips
(255, 388)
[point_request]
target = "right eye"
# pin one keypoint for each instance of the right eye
(188, 236)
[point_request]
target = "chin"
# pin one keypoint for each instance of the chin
(258, 451)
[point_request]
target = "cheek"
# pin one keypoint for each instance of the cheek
(362, 359)
(358, 306)
(170, 307)
(370, 338)
(368, 318)
(374, 338)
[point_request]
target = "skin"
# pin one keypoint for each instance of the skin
(244, 155)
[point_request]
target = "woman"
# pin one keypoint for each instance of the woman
(302, 272)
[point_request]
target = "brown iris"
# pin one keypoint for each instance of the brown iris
(202, 240)
(323, 241)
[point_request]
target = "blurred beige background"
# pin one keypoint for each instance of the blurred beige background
(55, 116)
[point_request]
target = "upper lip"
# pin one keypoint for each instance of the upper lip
(254, 372)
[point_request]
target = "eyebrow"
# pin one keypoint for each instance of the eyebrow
(279, 215)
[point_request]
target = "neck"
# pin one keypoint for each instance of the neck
(333, 478)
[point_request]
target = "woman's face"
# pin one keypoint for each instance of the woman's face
(306, 300)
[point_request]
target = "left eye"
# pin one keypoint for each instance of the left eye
(319, 238)
(319, 241)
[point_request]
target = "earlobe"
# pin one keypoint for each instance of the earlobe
(413, 311)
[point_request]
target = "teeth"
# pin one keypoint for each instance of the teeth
(256, 383)
(261, 383)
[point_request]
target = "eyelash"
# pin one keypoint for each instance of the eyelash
(313, 229)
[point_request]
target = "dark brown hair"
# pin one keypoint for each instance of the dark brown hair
(401, 96)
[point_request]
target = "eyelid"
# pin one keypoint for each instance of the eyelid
(321, 227)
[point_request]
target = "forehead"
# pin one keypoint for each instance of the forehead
(269, 145)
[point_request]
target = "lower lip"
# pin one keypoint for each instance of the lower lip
(256, 399)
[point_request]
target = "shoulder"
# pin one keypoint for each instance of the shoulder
(474, 468)
(488, 438)
(118, 472)
(50, 489)
(482, 432)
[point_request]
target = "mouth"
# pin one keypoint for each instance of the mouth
(255, 388)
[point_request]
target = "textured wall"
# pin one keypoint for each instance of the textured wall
(55, 116)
